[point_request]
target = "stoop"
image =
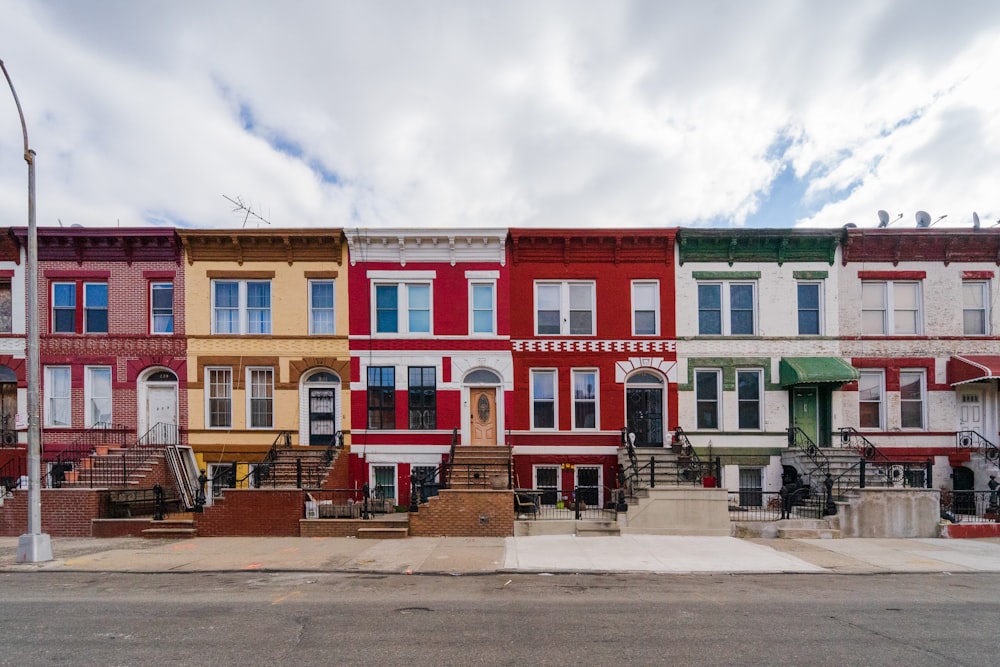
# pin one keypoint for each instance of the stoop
(597, 529)
(807, 529)
(383, 533)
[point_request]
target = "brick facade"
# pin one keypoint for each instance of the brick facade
(465, 513)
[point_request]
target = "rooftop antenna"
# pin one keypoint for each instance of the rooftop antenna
(883, 218)
(938, 220)
(923, 219)
(247, 210)
(975, 220)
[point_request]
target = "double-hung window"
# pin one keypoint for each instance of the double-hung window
(161, 308)
(423, 397)
(321, 307)
(809, 308)
(707, 396)
(543, 399)
(871, 389)
(483, 308)
(748, 398)
(241, 306)
(911, 399)
(79, 307)
(726, 308)
(645, 308)
(260, 383)
(975, 312)
(97, 395)
(890, 308)
(403, 308)
(381, 397)
(219, 397)
(585, 399)
(58, 384)
(6, 306)
(564, 308)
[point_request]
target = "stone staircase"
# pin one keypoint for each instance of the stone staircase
(843, 467)
(283, 471)
(669, 469)
(814, 529)
(173, 526)
(103, 468)
(480, 468)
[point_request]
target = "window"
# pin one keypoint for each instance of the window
(547, 481)
(726, 309)
(751, 487)
(6, 307)
(584, 399)
(97, 394)
(260, 382)
(57, 396)
(975, 317)
(707, 395)
(241, 306)
(384, 477)
(423, 397)
(403, 308)
(870, 390)
(748, 394)
(483, 308)
(645, 308)
(911, 399)
(890, 308)
(809, 312)
(219, 383)
(543, 399)
(564, 308)
(381, 397)
(161, 308)
(321, 311)
(93, 318)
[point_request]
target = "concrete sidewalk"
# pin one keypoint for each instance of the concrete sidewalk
(541, 554)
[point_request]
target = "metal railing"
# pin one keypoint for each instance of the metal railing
(757, 505)
(974, 441)
(363, 503)
(800, 440)
(111, 470)
(970, 506)
(594, 504)
(851, 438)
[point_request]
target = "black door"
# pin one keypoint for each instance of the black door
(322, 422)
(645, 415)
(964, 482)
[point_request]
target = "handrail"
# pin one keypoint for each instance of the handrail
(851, 438)
(799, 439)
(11, 473)
(695, 466)
(975, 441)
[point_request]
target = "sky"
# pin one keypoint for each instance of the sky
(514, 113)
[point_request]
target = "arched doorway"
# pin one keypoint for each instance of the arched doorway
(319, 411)
(158, 407)
(484, 401)
(644, 408)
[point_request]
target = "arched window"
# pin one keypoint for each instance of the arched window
(482, 377)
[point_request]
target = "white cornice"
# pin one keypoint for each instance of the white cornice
(427, 245)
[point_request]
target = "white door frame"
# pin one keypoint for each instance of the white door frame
(142, 398)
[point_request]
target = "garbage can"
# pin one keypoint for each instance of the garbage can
(708, 482)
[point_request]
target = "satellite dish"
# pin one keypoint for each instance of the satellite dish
(851, 225)
(883, 218)
(975, 220)
(923, 219)
(76, 225)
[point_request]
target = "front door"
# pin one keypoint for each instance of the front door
(970, 410)
(161, 414)
(322, 416)
(805, 413)
(588, 485)
(963, 483)
(645, 415)
(483, 404)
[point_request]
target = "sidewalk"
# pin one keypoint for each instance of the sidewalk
(541, 554)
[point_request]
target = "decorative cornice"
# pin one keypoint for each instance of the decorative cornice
(609, 246)
(262, 245)
(925, 245)
(82, 244)
(758, 245)
(427, 245)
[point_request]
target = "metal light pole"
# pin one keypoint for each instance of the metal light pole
(35, 546)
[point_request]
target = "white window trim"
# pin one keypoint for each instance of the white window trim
(248, 395)
(656, 307)
(819, 305)
(555, 398)
(472, 312)
(402, 309)
(882, 400)
(564, 306)
(49, 384)
(547, 466)
(208, 397)
(719, 415)
(889, 310)
(984, 285)
(243, 310)
(152, 317)
(725, 300)
(88, 384)
(395, 477)
(923, 398)
(312, 322)
(760, 400)
(597, 399)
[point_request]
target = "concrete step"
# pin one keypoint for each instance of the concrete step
(597, 529)
(383, 533)
(171, 528)
(815, 529)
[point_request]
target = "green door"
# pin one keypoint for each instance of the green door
(805, 411)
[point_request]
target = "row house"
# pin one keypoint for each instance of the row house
(592, 328)
(267, 348)
(13, 372)
(430, 350)
(112, 337)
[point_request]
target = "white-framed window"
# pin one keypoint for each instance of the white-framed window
(548, 481)
(871, 389)
(727, 308)
(585, 413)
(241, 306)
(219, 397)
(95, 308)
(543, 399)
(809, 295)
(564, 308)
(68, 317)
(645, 308)
(912, 387)
(708, 398)
(58, 392)
(383, 484)
(322, 314)
(890, 308)
(161, 308)
(260, 397)
(97, 395)
(402, 308)
(975, 308)
(749, 394)
(482, 307)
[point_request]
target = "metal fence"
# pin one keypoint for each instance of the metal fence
(757, 505)
(970, 506)
(594, 504)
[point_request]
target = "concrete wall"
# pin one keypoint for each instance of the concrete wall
(679, 511)
(882, 512)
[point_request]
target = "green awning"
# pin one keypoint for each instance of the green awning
(809, 370)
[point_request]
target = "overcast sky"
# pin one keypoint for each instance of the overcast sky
(505, 113)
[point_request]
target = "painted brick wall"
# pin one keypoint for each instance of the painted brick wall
(459, 513)
(253, 513)
(65, 512)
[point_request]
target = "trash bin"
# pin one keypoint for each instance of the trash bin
(708, 482)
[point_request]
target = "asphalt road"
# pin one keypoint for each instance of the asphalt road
(616, 619)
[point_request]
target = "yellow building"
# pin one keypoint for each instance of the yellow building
(267, 326)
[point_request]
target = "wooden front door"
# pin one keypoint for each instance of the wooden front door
(483, 405)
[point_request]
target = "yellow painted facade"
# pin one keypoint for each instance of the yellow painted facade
(288, 260)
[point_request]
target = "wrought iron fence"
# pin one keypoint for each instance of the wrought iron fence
(970, 506)
(757, 505)
(582, 503)
(351, 503)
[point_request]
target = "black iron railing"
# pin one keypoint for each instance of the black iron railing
(970, 506)
(581, 503)
(974, 441)
(758, 505)
(427, 485)
(363, 503)
(800, 440)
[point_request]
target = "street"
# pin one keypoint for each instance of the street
(292, 618)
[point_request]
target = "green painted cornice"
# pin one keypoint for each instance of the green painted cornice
(758, 245)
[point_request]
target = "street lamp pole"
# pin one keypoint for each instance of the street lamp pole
(35, 546)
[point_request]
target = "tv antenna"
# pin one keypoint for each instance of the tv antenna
(975, 220)
(883, 218)
(246, 209)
